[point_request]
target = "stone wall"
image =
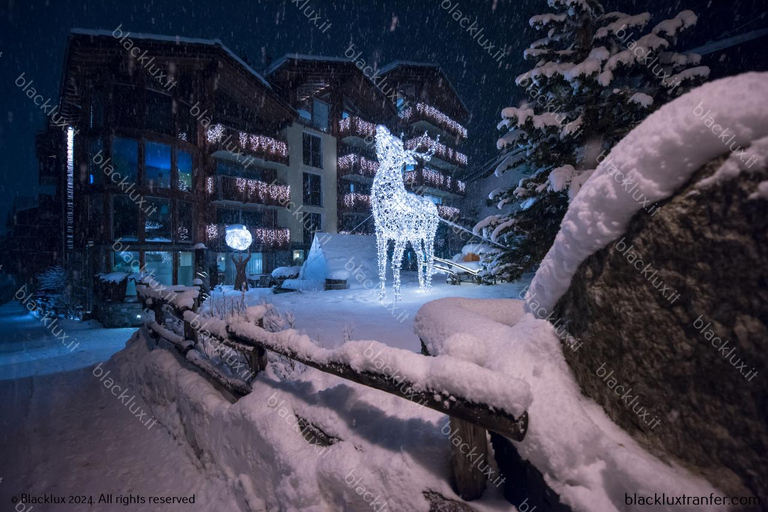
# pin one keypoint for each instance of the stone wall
(657, 333)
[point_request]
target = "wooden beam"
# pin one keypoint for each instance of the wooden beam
(458, 407)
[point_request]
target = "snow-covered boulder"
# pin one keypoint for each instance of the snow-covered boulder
(670, 302)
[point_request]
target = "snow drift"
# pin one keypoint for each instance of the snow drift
(333, 256)
(650, 163)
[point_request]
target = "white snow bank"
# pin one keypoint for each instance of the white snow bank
(585, 457)
(114, 277)
(182, 297)
(389, 446)
(286, 271)
(334, 255)
(656, 158)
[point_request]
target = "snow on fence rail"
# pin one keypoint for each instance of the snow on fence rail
(476, 399)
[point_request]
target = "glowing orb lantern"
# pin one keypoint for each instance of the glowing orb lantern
(238, 237)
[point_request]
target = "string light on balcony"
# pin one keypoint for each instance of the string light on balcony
(447, 212)
(215, 133)
(209, 185)
(365, 166)
(212, 231)
(353, 198)
(435, 115)
(272, 237)
(353, 125)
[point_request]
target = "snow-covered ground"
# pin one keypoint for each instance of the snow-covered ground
(32, 346)
(67, 434)
(325, 315)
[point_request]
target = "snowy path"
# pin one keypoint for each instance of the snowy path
(27, 347)
(99, 446)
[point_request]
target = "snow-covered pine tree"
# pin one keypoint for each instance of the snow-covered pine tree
(597, 75)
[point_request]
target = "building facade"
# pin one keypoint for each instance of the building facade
(162, 143)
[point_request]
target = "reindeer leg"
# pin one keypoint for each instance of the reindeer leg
(417, 244)
(381, 246)
(429, 249)
(397, 260)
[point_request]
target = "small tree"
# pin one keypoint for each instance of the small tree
(55, 283)
(593, 81)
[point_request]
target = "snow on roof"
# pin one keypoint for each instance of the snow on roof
(177, 40)
(396, 63)
(658, 157)
(299, 56)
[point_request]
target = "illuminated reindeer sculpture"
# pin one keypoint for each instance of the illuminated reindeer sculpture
(399, 215)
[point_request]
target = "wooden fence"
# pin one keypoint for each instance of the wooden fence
(470, 420)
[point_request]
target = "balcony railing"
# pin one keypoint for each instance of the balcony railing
(355, 203)
(353, 126)
(424, 112)
(244, 190)
(268, 238)
(441, 151)
(247, 145)
(354, 164)
(427, 177)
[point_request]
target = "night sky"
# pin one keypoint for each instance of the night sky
(33, 34)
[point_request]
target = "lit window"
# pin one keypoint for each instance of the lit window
(184, 167)
(157, 165)
(125, 155)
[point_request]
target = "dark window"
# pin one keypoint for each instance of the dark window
(97, 162)
(126, 101)
(97, 108)
(312, 222)
(125, 155)
(226, 168)
(186, 221)
(158, 113)
(125, 218)
(157, 226)
(157, 165)
(187, 123)
(313, 151)
(313, 189)
(251, 218)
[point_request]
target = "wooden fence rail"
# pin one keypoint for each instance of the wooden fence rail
(470, 420)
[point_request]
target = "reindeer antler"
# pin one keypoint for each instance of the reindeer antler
(430, 152)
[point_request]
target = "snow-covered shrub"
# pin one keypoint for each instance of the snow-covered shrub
(56, 290)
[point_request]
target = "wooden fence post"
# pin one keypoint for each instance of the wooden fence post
(467, 438)
(468, 481)
(258, 357)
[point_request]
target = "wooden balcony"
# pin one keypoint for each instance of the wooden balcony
(356, 131)
(357, 167)
(444, 156)
(422, 113)
(246, 148)
(249, 191)
(355, 203)
(434, 180)
(263, 238)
